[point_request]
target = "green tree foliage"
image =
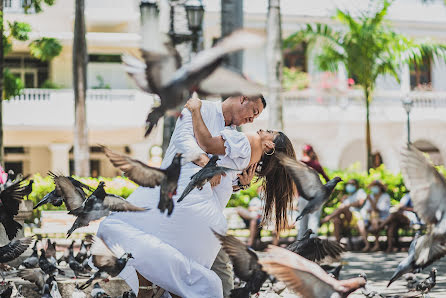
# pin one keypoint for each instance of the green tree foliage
(45, 48)
(368, 47)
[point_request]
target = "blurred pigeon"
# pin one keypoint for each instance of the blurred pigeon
(110, 260)
(333, 271)
(56, 198)
(10, 197)
(55, 293)
(200, 178)
(428, 192)
(407, 264)
(316, 249)
(246, 266)
(66, 253)
(98, 292)
(75, 265)
(129, 294)
(159, 73)
(46, 291)
(308, 184)
(36, 276)
(98, 205)
(411, 281)
(7, 292)
(33, 260)
(28, 189)
(305, 277)
(50, 252)
(426, 285)
(82, 254)
(14, 249)
(148, 176)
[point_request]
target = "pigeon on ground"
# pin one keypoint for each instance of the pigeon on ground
(333, 271)
(200, 178)
(411, 281)
(33, 260)
(308, 184)
(47, 267)
(129, 294)
(305, 277)
(426, 285)
(98, 205)
(316, 249)
(56, 197)
(75, 265)
(7, 292)
(50, 252)
(407, 264)
(110, 260)
(428, 192)
(55, 293)
(36, 276)
(14, 249)
(159, 73)
(246, 265)
(148, 176)
(66, 253)
(10, 197)
(98, 292)
(46, 291)
(82, 254)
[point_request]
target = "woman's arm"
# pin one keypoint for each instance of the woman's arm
(210, 144)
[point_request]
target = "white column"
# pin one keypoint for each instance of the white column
(60, 159)
(140, 151)
(405, 79)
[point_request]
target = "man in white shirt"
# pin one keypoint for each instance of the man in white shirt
(234, 111)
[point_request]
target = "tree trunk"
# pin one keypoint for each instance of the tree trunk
(368, 98)
(274, 65)
(2, 162)
(231, 20)
(81, 148)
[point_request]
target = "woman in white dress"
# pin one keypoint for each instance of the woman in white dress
(176, 252)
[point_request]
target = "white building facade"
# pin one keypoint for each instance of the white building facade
(39, 123)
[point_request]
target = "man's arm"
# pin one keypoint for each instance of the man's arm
(186, 142)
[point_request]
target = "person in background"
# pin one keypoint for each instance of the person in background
(375, 211)
(348, 212)
(310, 221)
(403, 217)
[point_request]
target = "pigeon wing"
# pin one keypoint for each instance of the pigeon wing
(135, 170)
(73, 197)
(34, 275)
(427, 186)
(117, 203)
(12, 195)
(307, 180)
(428, 249)
(14, 249)
(243, 259)
(225, 82)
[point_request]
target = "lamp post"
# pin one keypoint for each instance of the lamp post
(407, 104)
(194, 15)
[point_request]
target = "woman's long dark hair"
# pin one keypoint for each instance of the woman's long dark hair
(278, 185)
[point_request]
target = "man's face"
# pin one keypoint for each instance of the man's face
(247, 110)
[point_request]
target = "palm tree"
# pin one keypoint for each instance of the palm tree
(367, 47)
(81, 148)
(274, 64)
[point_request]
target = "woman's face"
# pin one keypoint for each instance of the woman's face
(267, 135)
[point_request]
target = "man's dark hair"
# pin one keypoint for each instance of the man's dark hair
(254, 98)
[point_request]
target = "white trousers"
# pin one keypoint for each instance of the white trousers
(309, 221)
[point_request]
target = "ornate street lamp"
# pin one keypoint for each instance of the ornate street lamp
(407, 104)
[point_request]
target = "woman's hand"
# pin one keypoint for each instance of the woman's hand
(193, 104)
(246, 176)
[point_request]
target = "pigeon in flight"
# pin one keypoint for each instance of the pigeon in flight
(13, 250)
(308, 184)
(98, 205)
(305, 277)
(199, 179)
(428, 192)
(55, 197)
(246, 265)
(10, 197)
(109, 260)
(316, 249)
(148, 176)
(408, 264)
(161, 73)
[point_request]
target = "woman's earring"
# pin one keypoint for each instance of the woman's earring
(271, 153)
